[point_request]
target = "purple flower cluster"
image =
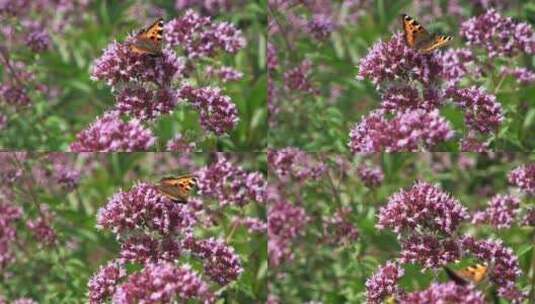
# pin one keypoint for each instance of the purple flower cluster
(429, 251)
(111, 133)
(320, 26)
(500, 36)
(211, 6)
(410, 130)
(457, 63)
(384, 282)
(144, 207)
(524, 178)
(41, 227)
(522, 75)
(119, 65)
(338, 229)
(200, 37)
(445, 293)
(179, 144)
(144, 249)
(254, 225)
(292, 162)
(230, 184)
(501, 211)
(482, 112)
(298, 78)
(145, 104)
(104, 283)
(8, 216)
(504, 270)
(388, 61)
(285, 223)
(371, 176)
(423, 206)
(161, 283)
(226, 74)
(529, 217)
(218, 113)
(221, 264)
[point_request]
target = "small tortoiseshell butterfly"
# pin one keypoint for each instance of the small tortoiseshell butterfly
(148, 40)
(474, 273)
(418, 38)
(177, 189)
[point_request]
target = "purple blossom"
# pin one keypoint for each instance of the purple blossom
(144, 207)
(504, 270)
(384, 283)
(162, 283)
(103, 284)
(201, 37)
(38, 40)
(41, 227)
(321, 26)
(393, 59)
(371, 176)
(471, 144)
(226, 74)
(522, 75)
(292, 162)
(500, 36)
(144, 104)
(120, 65)
(400, 98)
(429, 251)
(230, 184)
(179, 144)
(285, 223)
(143, 249)
(457, 63)
(445, 293)
(211, 6)
(524, 178)
(111, 133)
(410, 130)
(14, 94)
(501, 211)
(272, 59)
(8, 216)
(482, 112)
(529, 217)
(218, 113)
(221, 263)
(423, 206)
(338, 229)
(298, 78)
(254, 225)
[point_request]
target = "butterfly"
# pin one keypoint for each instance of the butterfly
(417, 37)
(149, 39)
(177, 189)
(474, 273)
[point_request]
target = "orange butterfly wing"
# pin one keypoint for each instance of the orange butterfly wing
(177, 189)
(475, 274)
(416, 36)
(149, 40)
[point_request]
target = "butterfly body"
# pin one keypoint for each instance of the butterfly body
(148, 40)
(471, 274)
(178, 188)
(417, 37)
